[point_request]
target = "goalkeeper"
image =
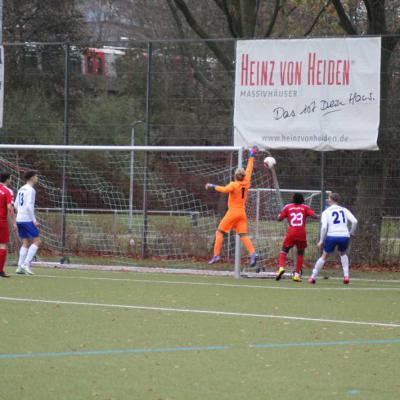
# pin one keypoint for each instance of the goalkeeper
(236, 218)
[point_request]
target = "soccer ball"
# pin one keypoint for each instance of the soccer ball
(269, 162)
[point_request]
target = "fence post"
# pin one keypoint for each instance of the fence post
(237, 238)
(146, 143)
(65, 158)
(322, 187)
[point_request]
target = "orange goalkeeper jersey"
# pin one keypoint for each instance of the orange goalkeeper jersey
(238, 190)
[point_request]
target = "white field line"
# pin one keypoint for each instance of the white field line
(214, 284)
(178, 271)
(197, 311)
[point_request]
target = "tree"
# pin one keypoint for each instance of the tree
(35, 72)
(42, 21)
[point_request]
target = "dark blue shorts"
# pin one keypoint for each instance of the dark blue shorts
(27, 230)
(333, 242)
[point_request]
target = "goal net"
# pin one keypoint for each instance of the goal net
(144, 207)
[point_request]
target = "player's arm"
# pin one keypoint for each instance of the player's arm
(11, 213)
(324, 229)
(10, 208)
(311, 213)
(283, 214)
(250, 163)
(221, 189)
(31, 206)
(353, 221)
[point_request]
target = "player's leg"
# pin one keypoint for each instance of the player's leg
(224, 228)
(329, 248)
(241, 229)
(343, 244)
(33, 234)
(287, 245)
(282, 260)
(299, 264)
(219, 240)
(32, 250)
(23, 252)
(4, 239)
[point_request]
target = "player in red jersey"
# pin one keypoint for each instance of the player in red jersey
(296, 213)
(6, 207)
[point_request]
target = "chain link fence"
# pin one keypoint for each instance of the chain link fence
(181, 93)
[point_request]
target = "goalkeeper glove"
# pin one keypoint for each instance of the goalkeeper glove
(210, 186)
(253, 151)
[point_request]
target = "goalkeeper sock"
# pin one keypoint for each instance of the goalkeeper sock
(282, 259)
(299, 263)
(31, 253)
(23, 251)
(219, 239)
(248, 244)
(3, 257)
(318, 266)
(345, 264)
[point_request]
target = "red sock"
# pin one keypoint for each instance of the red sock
(3, 257)
(282, 259)
(299, 263)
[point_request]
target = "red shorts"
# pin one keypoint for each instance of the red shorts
(291, 241)
(4, 232)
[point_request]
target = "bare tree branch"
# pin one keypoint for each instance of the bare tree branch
(223, 5)
(197, 73)
(181, 5)
(343, 18)
(323, 9)
(273, 18)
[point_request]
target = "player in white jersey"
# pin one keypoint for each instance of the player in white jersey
(28, 226)
(335, 234)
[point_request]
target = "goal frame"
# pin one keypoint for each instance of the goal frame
(132, 150)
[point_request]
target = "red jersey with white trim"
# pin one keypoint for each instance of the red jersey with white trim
(6, 198)
(296, 215)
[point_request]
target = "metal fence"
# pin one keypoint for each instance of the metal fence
(181, 93)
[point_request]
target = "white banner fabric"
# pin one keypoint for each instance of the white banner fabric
(319, 94)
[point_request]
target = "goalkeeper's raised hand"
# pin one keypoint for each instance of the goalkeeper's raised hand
(253, 151)
(210, 186)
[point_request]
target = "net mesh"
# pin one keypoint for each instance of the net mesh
(102, 224)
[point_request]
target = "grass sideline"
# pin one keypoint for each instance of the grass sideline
(76, 351)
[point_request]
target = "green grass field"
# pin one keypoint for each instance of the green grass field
(101, 335)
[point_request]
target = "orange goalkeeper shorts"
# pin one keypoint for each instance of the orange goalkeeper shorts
(234, 219)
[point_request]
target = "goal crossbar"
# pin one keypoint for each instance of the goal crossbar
(118, 148)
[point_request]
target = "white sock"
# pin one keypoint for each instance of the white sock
(345, 264)
(23, 251)
(31, 253)
(318, 266)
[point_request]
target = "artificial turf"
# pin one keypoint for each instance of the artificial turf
(86, 351)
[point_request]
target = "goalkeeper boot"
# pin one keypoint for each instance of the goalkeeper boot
(214, 260)
(253, 260)
(346, 280)
(4, 275)
(297, 277)
(311, 280)
(280, 273)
